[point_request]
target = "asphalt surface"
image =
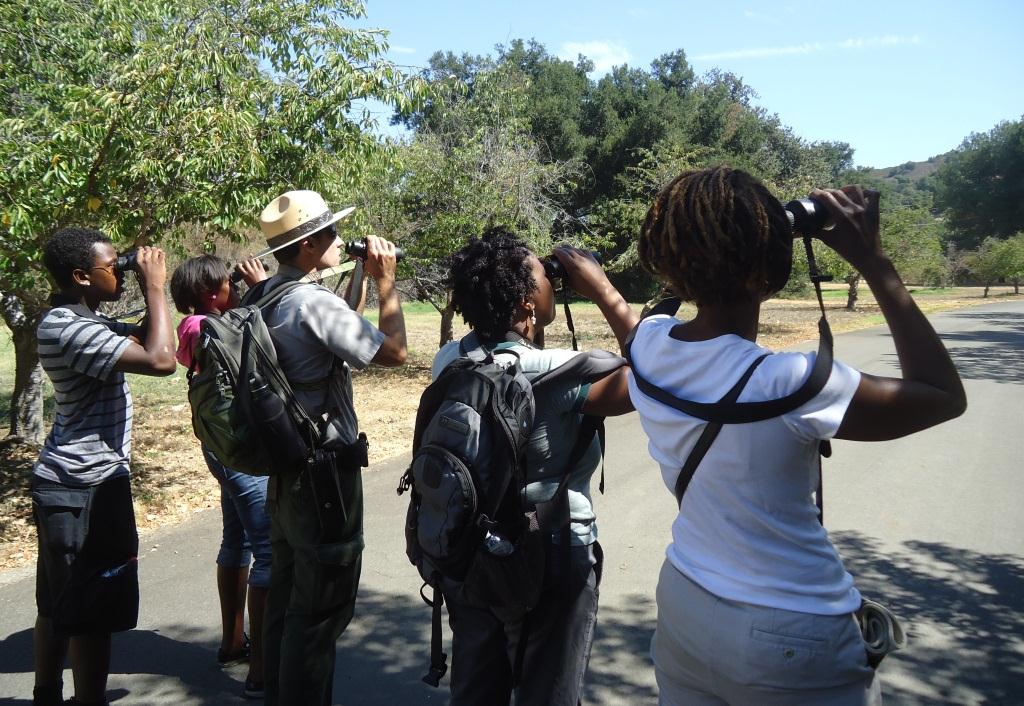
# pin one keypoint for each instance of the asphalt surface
(930, 525)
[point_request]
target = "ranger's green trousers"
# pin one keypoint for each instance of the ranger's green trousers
(313, 584)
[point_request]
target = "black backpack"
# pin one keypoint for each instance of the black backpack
(468, 528)
(243, 408)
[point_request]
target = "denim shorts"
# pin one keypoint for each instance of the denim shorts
(87, 572)
(246, 535)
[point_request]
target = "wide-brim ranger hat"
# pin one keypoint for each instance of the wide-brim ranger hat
(294, 215)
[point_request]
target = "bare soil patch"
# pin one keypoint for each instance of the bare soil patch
(170, 479)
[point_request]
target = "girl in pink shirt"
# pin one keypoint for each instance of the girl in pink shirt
(201, 287)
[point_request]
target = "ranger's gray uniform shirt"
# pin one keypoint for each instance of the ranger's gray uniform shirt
(312, 327)
(91, 438)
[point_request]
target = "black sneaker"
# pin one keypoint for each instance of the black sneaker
(48, 695)
(230, 659)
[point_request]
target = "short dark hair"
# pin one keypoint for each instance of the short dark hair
(717, 236)
(489, 277)
(288, 252)
(194, 279)
(71, 249)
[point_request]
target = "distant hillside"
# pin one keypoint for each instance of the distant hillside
(910, 171)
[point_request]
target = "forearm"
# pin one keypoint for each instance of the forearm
(391, 321)
(922, 356)
(159, 334)
(617, 312)
(361, 302)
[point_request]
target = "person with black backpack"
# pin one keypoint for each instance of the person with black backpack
(754, 603)
(511, 430)
(316, 505)
(203, 287)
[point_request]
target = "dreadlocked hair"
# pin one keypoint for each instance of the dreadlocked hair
(490, 277)
(717, 236)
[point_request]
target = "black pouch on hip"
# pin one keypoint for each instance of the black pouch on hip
(322, 470)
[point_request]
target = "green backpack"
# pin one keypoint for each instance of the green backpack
(243, 408)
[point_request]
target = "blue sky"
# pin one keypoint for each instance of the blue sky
(898, 80)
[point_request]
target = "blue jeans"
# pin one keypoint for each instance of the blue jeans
(243, 505)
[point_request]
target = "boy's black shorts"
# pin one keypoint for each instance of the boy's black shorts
(87, 573)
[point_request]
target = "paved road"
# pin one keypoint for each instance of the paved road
(930, 525)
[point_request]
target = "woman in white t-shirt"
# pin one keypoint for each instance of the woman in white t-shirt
(754, 605)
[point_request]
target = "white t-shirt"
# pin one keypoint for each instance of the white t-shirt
(748, 528)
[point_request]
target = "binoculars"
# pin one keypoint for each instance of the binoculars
(127, 261)
(553, 267)
(808, 217)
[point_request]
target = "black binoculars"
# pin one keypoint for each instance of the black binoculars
(357, 248)
(127, 261)
(553, 266)
(808, 217)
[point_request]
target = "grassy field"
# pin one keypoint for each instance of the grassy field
(171, 482)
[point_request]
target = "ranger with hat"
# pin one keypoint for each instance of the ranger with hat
(319, 339)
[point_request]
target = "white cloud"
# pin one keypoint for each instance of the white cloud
(605, 55)
(855, 43)
(403, 50)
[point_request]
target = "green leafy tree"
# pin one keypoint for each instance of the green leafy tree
(997, 260)
(980, 187)
(991, 262)
(476, 166)
(141, 117)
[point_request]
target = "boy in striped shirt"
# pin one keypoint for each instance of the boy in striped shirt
(86, 580)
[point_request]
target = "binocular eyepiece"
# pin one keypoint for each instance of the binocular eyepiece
(553, 268)
(808, 217)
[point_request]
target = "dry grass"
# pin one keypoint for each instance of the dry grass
(171, 482)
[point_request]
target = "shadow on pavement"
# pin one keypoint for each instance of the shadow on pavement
(385, 652)
(970, 606)
(620, 664)
(137, 656)
(995, 354)
(380, 660)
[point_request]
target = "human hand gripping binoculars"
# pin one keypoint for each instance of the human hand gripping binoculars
(554, 269)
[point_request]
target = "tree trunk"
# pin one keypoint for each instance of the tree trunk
(27, 398)
(987, 285)
(1016, 286)
(447, 332)
(851, 296)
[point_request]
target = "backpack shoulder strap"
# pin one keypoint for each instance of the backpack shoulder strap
(268, 293)
(711, 430)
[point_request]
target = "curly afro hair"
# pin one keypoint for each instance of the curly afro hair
(195, 279)
(490, 277)
(717, 236)
(71, 249)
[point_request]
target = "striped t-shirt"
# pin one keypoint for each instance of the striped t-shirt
(91, 437)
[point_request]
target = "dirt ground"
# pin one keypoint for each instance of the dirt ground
(171, 482)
